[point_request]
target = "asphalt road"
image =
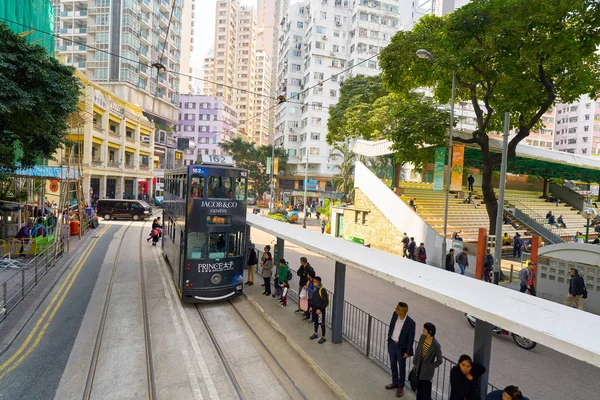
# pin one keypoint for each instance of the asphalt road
(542, 373)
(38, 375)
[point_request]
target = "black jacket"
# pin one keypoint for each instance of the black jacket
(303, 273)
(320, 299)
(463, 389)
(252, 259)
(577, 285)
(488, 261)
(407, 333)
(411, 247)
(449, 262)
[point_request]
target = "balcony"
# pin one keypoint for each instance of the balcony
(144, 167)
(97, 161)
(98, 127)
(113, 164)
(114, 133)
(98, 10)
(129, 166)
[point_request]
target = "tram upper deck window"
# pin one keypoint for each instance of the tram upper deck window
(197, 187)
(220, 187)
(240, 189)
(196, 246)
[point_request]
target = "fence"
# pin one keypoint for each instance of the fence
(17, 286)
(369, 335)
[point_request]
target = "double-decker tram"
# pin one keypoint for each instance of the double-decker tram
(204, 228)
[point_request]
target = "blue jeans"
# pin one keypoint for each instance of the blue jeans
(396, 359)
(462, 269)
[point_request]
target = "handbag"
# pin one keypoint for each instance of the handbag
(303, 293)
(304, 304)
(584, 293)
(413, 379)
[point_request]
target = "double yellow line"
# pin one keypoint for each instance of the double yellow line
(48, 315)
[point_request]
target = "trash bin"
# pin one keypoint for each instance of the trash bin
(89, 211)
(74, 227)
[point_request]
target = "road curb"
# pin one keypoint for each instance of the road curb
(337, 390)
(61, 267)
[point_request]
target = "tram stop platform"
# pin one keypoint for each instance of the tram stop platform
(348, 372)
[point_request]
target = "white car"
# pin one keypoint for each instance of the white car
(251, 201)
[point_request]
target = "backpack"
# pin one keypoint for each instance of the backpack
(321, 296)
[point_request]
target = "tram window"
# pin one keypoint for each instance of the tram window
(197, 187)
(235, 246)
(196, 245)
(217, 245)
(240, 189)
(220, 187)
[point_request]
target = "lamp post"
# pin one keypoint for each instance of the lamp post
(428, 56)
(589, 214)
(305, 187)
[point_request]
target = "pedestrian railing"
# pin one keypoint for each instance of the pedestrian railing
(27, 275)
(369, 335)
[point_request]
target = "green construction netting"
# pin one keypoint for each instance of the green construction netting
(23, 15)
(529, 166)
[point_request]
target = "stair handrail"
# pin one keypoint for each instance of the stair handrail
(537, 223)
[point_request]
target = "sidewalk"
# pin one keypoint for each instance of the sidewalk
(342, 367)
(14, 322)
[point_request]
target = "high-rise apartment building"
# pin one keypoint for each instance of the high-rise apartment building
(206, 121)
(235, 70)
(134, 32)
(577, 129)
(186, 81)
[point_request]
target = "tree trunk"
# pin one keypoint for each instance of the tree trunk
(489, 197)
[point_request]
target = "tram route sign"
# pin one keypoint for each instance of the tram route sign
(214, 159)
(215, 267)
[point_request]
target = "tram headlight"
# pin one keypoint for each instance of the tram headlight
(216, 279)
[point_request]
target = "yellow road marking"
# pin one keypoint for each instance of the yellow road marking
(68, 281)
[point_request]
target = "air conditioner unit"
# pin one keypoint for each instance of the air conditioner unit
(324, 37)
(338, 23)
(332, 53)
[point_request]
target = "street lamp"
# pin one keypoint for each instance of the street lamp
(428, 56)
(305, 187)
(589, 214)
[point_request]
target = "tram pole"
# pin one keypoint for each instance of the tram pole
(304, 210)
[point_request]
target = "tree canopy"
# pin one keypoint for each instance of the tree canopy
(247, 155)
(37, 95)
(520, 65)
(369, 111)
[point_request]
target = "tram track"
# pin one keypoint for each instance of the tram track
(230, 373)
(87, 394)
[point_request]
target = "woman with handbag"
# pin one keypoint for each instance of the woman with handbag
(267, 272)
(427, 358)
(463, 379)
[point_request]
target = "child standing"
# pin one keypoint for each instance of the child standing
(285, 286)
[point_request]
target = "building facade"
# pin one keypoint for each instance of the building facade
(186, 81)
(263, 105)
(205, 121)
(114, 146)
(134, 32)
(577, 129)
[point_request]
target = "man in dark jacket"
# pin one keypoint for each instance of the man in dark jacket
(576, 290)
(470, 181)
(405, 242)
(252, 261)
(463, 260)
(450, 261)
(318, 304)
(488, 265)
(302, 272)
(401, 337)
(412, 246)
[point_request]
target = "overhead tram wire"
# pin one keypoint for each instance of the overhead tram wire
(130, 59)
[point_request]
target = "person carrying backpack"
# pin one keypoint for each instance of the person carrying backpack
(283, 274)
(319, 304)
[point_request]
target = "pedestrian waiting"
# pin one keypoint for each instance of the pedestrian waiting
(310, 290)
(285, 286)
(319, 304)
(401, 336)
(252, 262)
(283, 274)
(463, 379)
(302, 273)
(428, 357)
(267, 272)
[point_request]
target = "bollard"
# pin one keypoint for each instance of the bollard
(511, 273)
(369, 324)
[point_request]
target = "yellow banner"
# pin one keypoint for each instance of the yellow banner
(458, 159)
(276, 166)
(144, 153)
(96, 140)
(114, 145)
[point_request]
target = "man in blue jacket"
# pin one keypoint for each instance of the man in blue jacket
(401, 338)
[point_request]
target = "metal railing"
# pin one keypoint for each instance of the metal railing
(370, 336)
(16, 287)
(538, 223)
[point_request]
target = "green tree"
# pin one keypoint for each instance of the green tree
(343, 181)
(37, 95)
(247, 155)
(414, 123)
(520, 64)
